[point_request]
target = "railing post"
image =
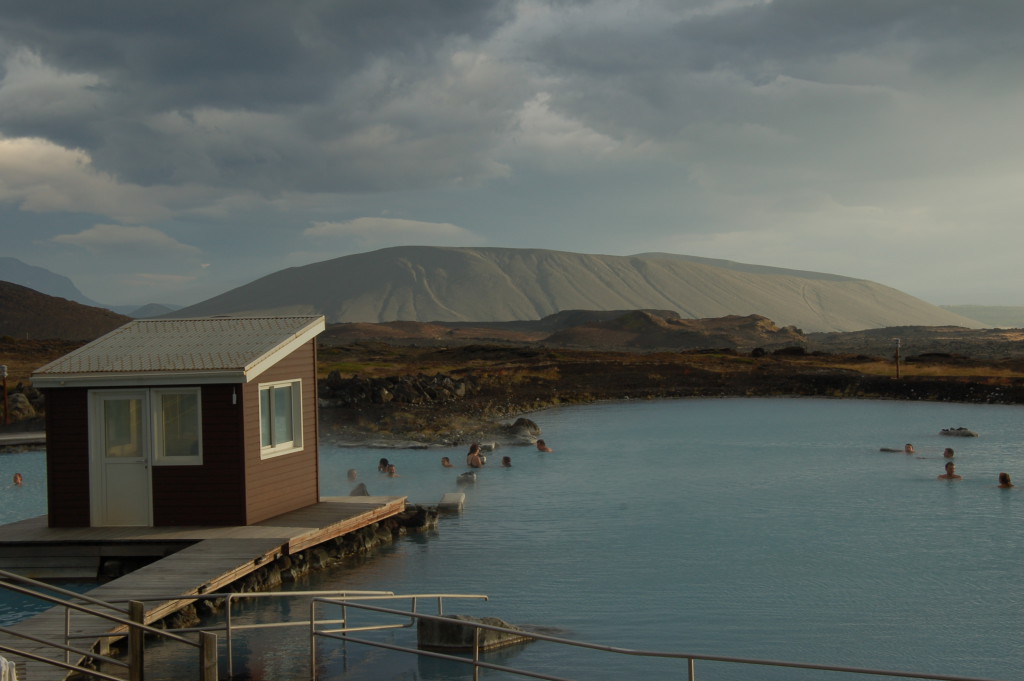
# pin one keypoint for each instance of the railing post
(312, 639)
(67, 633)
(227, 643)
(208, 656)
(136, 641)
(690, 671)
(476, 653)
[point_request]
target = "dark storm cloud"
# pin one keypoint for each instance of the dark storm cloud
(160, 66)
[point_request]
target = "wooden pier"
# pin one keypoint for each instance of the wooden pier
(198, 560)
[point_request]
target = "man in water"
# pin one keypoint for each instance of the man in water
(542, 447)
(950, 472)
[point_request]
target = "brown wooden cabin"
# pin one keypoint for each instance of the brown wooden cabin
(209, 421)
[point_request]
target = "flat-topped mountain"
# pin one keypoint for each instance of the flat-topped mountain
(425, 284)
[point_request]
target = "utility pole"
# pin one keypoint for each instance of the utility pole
(897, 358)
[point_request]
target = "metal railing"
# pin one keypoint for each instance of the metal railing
(323, 626)
(477, 663)
(130, 622)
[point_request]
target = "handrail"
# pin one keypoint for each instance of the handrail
(133, 623)
(477, 663)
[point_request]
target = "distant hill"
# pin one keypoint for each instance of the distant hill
(427, 284)
(152, 310)
(42, 280)
(29, 314)
(994, 316)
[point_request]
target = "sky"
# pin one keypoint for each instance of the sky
(168, 152)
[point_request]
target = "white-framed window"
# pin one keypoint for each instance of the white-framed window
(177, 426)
(280, 418)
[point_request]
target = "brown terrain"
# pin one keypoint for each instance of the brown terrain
(449, 383)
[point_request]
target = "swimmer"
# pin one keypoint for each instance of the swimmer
(18, 480)
(542, 447)
(446, 462)
(392, 470)
(352, 474)
(506, 462)
(907, 449)
(948, 453)
(1004, 481)
(473, 458)
(382, 466)
(950, 472)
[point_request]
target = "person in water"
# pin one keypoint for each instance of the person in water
(382, 466)
(473, 458)
(352, 474)
(1004, 481)
(446, 462)
(392, 470)
(948, 453)
(950, 472)
(907, 449)
(542, 447)
(506, 462)
(18, 480)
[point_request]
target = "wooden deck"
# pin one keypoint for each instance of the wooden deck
(212, 558)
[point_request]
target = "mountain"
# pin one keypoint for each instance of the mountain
(152, 310)
(42, 280)
(424, 283)
(26, 313)
(996, 316)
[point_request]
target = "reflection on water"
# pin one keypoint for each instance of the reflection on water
(751, 528)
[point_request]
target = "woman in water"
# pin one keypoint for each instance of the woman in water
(382, 466)
(1004, 480)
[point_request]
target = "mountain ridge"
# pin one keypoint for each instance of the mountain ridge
(452, 284)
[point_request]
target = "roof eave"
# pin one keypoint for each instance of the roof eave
(282, 350)
(137, 379)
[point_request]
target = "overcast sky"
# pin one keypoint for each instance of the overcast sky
(167, 152)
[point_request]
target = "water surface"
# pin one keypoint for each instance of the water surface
(764, 528)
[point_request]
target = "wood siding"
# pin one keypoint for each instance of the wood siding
(67, 457)
(214, 493)
(291, 481)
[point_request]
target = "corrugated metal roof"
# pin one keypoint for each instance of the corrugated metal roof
(172, 346)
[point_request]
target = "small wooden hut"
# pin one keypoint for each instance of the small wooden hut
(162, 422)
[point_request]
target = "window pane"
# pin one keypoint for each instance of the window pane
(282, 414)
(265, 439)
(122, 427)
(179, 419)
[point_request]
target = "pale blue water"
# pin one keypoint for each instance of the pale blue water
(764, 528)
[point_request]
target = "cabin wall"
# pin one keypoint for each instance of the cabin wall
(67, 457)
(290, 481)
(214, 493)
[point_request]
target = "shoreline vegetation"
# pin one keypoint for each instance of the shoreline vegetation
(406, 395)
(375, 394)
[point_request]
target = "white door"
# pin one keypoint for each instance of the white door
(121, 489)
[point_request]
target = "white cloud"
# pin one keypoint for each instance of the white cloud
(378, 232)
(107, 239)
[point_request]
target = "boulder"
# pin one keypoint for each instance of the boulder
(456, 633)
